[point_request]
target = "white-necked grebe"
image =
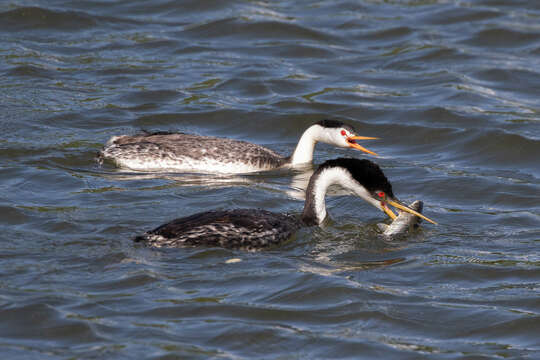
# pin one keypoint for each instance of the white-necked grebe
(251, 229)
(164, 151)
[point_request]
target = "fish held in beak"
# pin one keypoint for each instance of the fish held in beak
(398, 205)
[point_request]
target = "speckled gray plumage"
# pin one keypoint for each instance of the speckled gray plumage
(252, 229)
(247, 229)
(186, 151)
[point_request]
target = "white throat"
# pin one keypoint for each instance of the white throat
(330, 176)
(306, 145)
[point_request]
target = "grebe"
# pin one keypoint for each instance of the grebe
(251, 229)
(163, 151)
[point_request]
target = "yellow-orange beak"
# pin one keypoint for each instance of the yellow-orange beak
(407, 209)
(388, 211)
(354, 145)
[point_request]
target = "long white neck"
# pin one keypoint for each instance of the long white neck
(306, 145)
(315, 205)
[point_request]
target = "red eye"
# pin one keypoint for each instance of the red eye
(381, 194)
(343, 132)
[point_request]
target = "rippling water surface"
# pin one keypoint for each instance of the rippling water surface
(451, 87)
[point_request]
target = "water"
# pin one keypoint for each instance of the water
(451, 87)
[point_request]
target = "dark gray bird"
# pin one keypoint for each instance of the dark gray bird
(252, 229)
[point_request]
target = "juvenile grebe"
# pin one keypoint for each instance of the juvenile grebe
(252, 229)
(164, 151)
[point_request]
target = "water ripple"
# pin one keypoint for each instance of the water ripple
(34, 18)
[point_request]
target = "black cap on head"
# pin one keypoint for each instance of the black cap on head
(327, 123)
(364, 171)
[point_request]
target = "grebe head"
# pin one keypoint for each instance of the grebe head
(366, 180)
(342, 135)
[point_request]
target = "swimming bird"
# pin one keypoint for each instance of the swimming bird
(251, 229)
(164, 151)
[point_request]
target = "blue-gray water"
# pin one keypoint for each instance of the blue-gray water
(451, 87)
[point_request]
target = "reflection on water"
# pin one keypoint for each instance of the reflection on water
(325, 266)
(183, 179)
(268, 180)
(296, 189)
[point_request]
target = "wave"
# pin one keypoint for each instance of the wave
(36, 18)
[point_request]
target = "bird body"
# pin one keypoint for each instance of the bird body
(256, 229)
(245, 229)
(187, 152)
(164, 151)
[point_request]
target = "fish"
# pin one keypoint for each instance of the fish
(403, 225)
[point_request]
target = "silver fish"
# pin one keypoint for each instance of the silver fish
(403, 224)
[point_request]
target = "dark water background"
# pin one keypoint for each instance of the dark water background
(451, 87)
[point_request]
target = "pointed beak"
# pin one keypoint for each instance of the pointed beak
(352, 143)
(409, 210)
(388, 212)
